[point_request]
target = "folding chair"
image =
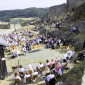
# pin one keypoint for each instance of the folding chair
(53, 66)
(21, 74)
(17, 81)
(28, 79)
(47, 74)
(34, 77)
(14, 68)
(53, 71)
(42, 68)
(30, 71)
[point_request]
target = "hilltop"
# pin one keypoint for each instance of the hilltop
(25, 13)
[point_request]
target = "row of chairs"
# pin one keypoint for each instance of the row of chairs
(20, 47)
(27, 79)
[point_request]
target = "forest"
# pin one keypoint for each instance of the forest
(6, 15)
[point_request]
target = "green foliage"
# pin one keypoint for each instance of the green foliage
(74, 76)
(21, 23)
(53, 21)
(79, 13)
(30, 12)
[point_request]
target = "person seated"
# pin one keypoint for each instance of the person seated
(74, 29)
(67, 63)
(25, 76)
(55, 45)
(67, 60)
(21, 69)
(50, 79)
(57, 25)
(80, 57)
(58, 68)
(64, 62)
(61, 46)
(47, 70)
(29, 67)
(47, 63)
(64, 65)
(52, 63)
(48, 45)
(67, 16)
(39, 66)
(16, 77)
(52, 25)
(14, 53)
(56, 60)
(34, 73)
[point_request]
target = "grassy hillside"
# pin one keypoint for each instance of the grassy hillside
(29, 12)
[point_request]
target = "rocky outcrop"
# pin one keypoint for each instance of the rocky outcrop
(69, 25)
(57, 10)
(60, 9)
(74, 3)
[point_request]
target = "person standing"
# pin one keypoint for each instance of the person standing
(84, 45)
(27, 45)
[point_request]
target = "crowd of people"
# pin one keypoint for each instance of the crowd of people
(48, 70)
(20, 43)
(54, 43)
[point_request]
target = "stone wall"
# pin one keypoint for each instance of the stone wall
(4, 26)
(15, 26)
(57, 10)
(74, 3)
(60, 9)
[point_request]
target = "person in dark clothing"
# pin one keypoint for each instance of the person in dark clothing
(84, 45)
(80, 57)
(50, 79)
(72, 9)
(27, 45)
(64, 42)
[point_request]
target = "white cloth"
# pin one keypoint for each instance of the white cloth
(67, 61)
(63, 64)
(25, 76)
(29, 66)
(34, 73)
(22, 70)
(50, 76)
(41, 65)
(68, 54)
(60, 72)
(17, 77)
(47, 64)
(44, 72)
